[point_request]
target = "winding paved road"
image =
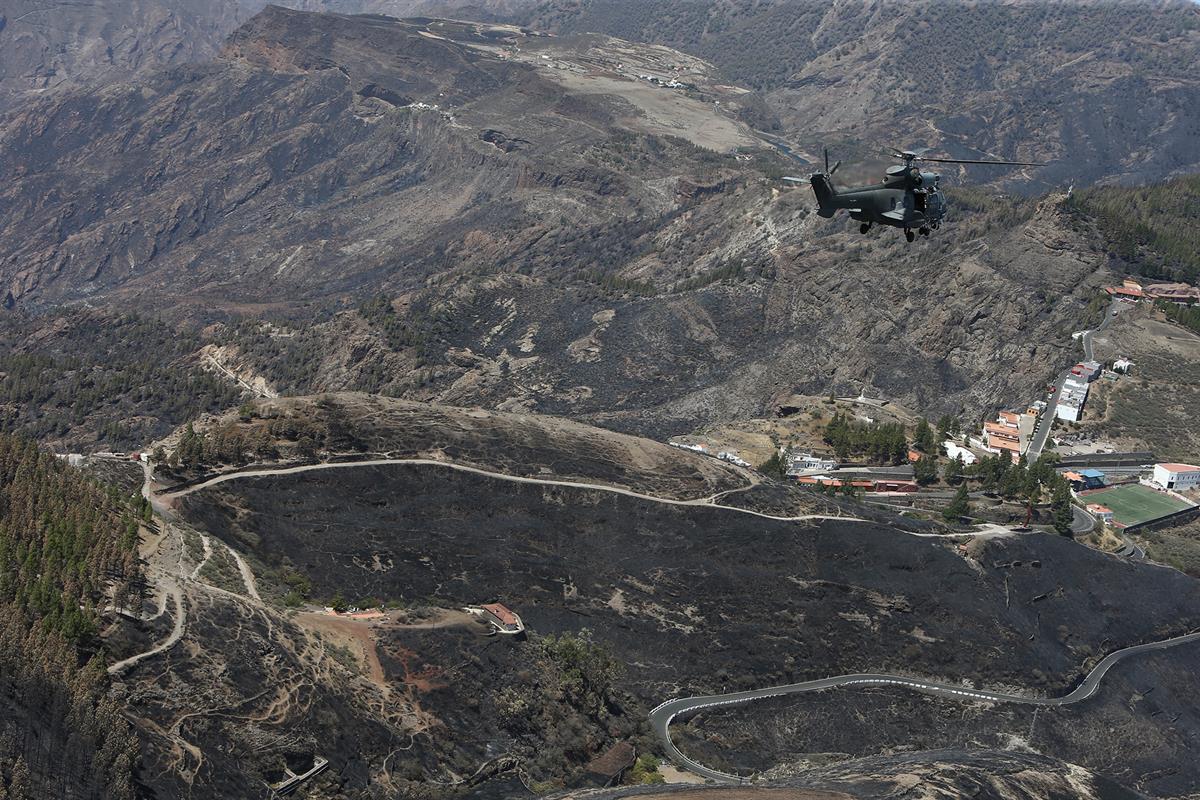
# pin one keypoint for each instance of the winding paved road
(662, 715)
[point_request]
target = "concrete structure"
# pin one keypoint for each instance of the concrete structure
(1129, 290)
(1084, 479)
(955, 450)
(1122, 365)
(808, 462)
(1086, 370)
(733, 458)
(1103, 513)
(1181, 293)
(1179, 477)
(863, 484)
(502, 618)
(291, 781)
(1071, 399)
(837, 483)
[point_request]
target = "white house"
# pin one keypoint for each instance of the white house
(1179, 477)
(1071, 399)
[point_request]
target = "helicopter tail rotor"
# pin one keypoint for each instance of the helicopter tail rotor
(837, 164)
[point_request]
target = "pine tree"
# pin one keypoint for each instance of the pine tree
(960, 506)
(923, 439)
(925, 470)
(953, 471)
(1060, 504)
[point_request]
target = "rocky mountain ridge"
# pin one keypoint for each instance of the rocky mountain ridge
(542, 229)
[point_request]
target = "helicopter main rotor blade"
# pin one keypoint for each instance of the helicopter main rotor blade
(983, 161)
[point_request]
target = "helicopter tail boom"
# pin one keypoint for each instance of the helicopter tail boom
(823, 189)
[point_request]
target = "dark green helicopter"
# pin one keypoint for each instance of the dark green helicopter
(908, 198)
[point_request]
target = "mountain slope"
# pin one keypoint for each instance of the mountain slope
(49, 45)
(518, 221)
(660, 587)
(1099, 89)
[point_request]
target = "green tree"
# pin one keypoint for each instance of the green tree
(338, 603)
(645, 770)
(774, 466)
(953, 471)
(584, 669)
(191, 447)
(924, 439)
(1060, 505)
(947, 426)
(925, 470)
(960, 506)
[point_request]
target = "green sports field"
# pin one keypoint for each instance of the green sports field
(1133, 504)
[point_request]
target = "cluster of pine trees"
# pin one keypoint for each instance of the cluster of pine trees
(1187, 316)
(883, 443)
(96, 372)
(223, 444)
(231, 443)
(1155, 228)
(1030, 483)
(67, 547)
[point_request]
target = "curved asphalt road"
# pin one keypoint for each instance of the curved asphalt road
(662, 715)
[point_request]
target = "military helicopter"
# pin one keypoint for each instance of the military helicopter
(908, 197)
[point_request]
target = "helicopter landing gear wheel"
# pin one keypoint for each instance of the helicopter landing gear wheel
(923, 231)
(866, 226)
(909, 235)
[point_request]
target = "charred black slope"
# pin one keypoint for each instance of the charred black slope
(703, 600)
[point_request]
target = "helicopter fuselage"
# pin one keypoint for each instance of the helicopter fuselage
(907, 198)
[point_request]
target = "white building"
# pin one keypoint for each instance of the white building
(1103, 513)
(1122, 365)
(955, 450)
(733, 458)
(807, 462)
(1179, 477)
(1070, 401)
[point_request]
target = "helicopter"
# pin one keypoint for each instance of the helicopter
(908, 198)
